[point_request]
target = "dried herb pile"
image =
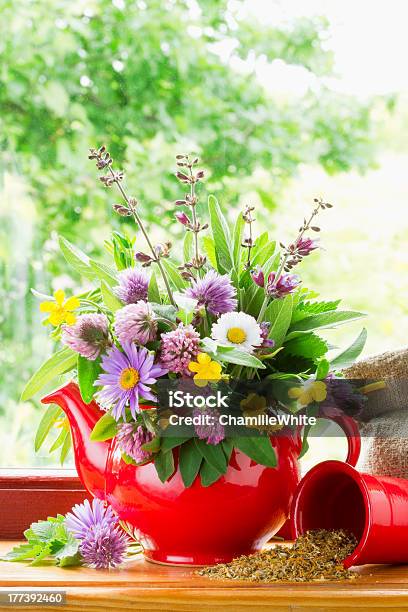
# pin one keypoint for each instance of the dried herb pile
(315, 556)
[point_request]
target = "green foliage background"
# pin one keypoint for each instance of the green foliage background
(148, 79)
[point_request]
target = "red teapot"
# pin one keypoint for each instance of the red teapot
(197, 525)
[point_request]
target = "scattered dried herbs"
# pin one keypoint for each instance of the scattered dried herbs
(315, 556)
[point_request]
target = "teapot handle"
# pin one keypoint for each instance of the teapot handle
(350, 428)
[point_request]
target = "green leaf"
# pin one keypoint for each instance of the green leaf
(228, 447)
(164, 464)
(50, 416)
(187, 246)
(169, 442)
(232, 355)
(65, 447)
(326, 319)
(165, 311)
(222, 237)
(322, 369)
(21, 552)
(59, 441)
(88, 372)
(153, 292)
(307, 345)
(213, 454)
(348, 357)
(104, 273)
(153, 446)
(174, 275)
(279, 314)
(258, 448)
(208, 474)
(264, 254)
(209, 249)
(190, 460)
(59, 363)
(69, 555)
(105, 429)
(76, 258)
(109, 298)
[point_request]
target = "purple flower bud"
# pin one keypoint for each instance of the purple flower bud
(142, 257)
(287, 283)
(182, 218)
(258, 276)
(305, 246)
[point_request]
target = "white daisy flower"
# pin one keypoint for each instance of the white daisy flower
(237, 329)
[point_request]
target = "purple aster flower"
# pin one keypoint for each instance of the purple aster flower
(104, 547)
(215, 292)
(135, 323)
(214, 432)
(258, 276)
(89, 336)
(304, 246)
(131, 439)
(287, 283)
(133, 285)
(178, 348)
(126, 376)
(86, 516)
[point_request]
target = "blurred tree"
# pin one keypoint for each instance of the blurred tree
(148, 78)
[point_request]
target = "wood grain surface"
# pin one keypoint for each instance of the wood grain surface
(140, 585)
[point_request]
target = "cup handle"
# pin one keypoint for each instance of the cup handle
(350, 428)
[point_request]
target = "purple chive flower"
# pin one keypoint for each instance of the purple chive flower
(258, 276)
(304, 246)
(86, 516)
(135, 323)
(133, 285)
(131, 439)
(214, 292)
(214, 432)
(287, 283)
(103, 547)
(126, 376)
(89, 336)
(178, 348)
(182, 218)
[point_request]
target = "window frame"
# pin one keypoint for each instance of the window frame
(28, 495)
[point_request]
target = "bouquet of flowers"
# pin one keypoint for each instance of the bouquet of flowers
(228, 308)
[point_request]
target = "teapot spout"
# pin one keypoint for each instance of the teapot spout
(90, 457)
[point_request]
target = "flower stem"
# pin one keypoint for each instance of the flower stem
(263, 308)
(139, 222)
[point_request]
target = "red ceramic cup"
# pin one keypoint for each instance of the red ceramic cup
(334, 495)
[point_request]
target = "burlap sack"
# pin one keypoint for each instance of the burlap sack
(385, 421)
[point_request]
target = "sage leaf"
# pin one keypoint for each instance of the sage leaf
(190, 460)
(105, 429)
(88, 372)
(59, 363)
(258, 448)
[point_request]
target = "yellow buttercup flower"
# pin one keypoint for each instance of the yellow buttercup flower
(60, 311)
(311, 391)
(253, 404)
(205, 370)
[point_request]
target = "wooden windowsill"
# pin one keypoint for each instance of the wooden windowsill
(140, 585)
(28, 495)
